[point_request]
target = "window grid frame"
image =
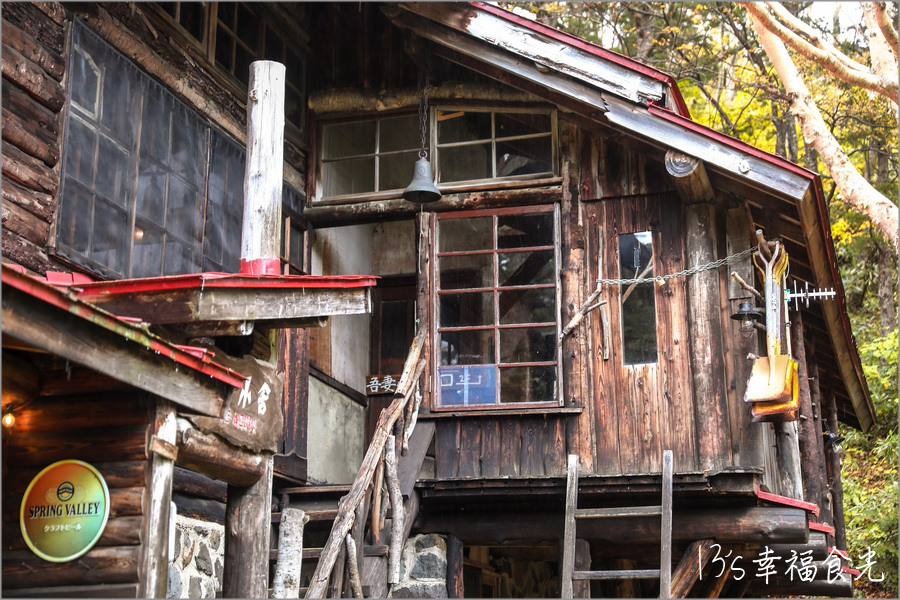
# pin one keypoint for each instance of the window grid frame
(496, 327)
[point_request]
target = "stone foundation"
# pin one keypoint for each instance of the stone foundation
(423, 569)
(196, 567)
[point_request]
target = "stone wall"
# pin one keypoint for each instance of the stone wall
(423, 569)
(197, 564)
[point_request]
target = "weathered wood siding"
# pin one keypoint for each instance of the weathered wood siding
(109, 430)
(33, 98)
(501, 446)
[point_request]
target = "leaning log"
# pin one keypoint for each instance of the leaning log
(210, 455)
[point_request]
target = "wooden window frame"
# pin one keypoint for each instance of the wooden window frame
(495, 290)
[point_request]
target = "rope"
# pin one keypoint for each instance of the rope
(698, 269)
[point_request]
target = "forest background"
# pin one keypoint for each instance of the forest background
(714, 51)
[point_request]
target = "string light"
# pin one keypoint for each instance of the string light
(9, 420)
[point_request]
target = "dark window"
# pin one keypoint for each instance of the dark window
(497, 308)
(636, 259)
(149, 187)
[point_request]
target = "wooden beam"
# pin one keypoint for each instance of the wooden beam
(86, 343)
(689, 570)
(455, 584)
(247, 533)
(727, 525)
(690, 178)
(210, 455)
(837, 485)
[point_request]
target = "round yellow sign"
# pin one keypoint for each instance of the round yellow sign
(64, 510)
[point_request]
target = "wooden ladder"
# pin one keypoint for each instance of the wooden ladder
(573, 513)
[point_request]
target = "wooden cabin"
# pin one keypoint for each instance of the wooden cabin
(510, 361)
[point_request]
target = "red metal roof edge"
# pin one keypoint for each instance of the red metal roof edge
(574, 40)
(813, 526)
(224, 280)
(769, 497)
(64, 300)
(821, 209)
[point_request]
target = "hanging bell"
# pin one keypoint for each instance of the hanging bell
(422, 189)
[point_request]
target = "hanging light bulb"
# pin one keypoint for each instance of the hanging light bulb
(422, 189)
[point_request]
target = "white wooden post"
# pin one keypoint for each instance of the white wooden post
(264, 171)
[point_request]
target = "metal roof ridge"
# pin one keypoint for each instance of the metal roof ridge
(139, 333)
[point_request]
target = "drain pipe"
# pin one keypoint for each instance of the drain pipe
(264, 172)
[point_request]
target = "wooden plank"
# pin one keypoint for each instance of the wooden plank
(469, 448)
(625, 574)
(91, 345)
(614, 512)
(89, 444)
(100, 565)
(446, 453)
(706, 347)
(99, 410)
(567, 566)
(112, 590)
(582, 588)
(490, 448)
(247, 532)
(455, 586)
(408, 470)
(157, 497)
(665, 551)
(694, 561)
(555, 446)
(531, 461)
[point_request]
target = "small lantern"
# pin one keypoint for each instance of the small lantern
(748, 315)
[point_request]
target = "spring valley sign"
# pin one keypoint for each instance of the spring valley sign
(64, 510)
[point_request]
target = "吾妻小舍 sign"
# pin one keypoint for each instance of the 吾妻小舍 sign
(64, 510)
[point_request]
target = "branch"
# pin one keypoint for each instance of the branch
(882, 57)
(801, 28)
(886, 26)
(762, 19)
(856, 191)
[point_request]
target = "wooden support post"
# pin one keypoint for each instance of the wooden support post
(155, 557)
(248, 517)
(665, 550)
(826, 514)
(837, 485)
(812, 471)
(705, 315)
(568, 542)
(695, 559)
(264, 172)
(390, 461)
(788, 457)
(286, 583)
(455, 587)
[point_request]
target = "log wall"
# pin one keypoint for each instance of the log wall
(109, 430)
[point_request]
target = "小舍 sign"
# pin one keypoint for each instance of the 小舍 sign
(64, 511)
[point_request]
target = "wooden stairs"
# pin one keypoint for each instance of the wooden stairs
(573, 514)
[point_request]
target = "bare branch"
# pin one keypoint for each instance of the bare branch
(884, 62)
(886, 26)
(801, 28)
(865, 79)
(856, 191)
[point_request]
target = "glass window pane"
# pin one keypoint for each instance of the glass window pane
(147, 254)
(522, 345)
(85, 86)
(108, 245)
(466, 271)
(247, 26)
(528, 306)
(74, 225)
(401, 133)
(192, 18)
(225, 205)
(155, 131)
(461, 163)
(524, 231)
(224, 45)
(151, 199)
(395, 171)
(467, 347)
(80, 152)
(188, 143)
(513, 124)
(226, 12)
(242, 60)
(528, 384)
(468, 386)
(459, 126)
(183, 210)
(466, 310)
(348, 139)
(466, 234)
(180, 258)
(638, 301)
(349, 176)
(112, 161)
(526, 268)
(524, 157)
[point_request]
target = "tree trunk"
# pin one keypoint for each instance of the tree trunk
(858, 192)
(887, 285)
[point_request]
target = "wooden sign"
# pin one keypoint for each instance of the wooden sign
(381, 384)
(251, 416)
(64, 511)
